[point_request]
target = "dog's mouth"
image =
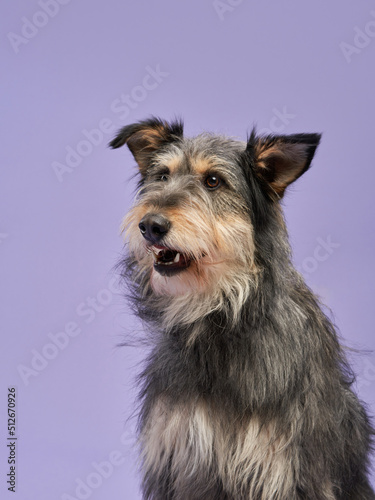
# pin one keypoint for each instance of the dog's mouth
(168, 261)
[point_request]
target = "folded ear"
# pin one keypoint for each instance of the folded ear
(146, 137)
(279, 160)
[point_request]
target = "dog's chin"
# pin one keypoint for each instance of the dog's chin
(176, 282)
(173, 273)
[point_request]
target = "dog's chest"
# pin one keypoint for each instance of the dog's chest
(195, 442)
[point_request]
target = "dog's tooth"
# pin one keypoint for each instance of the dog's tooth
(157, 251)
(177, 258)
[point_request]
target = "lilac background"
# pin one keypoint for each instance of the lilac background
(59, 240)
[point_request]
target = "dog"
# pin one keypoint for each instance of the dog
(246, 393)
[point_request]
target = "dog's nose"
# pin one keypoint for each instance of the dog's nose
(154, 227)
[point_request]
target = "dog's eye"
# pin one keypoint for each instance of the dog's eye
(164, 176)
(212, 182)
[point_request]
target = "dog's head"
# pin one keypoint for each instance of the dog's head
(202, 201)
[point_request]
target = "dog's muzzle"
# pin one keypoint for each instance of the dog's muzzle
(167, 261)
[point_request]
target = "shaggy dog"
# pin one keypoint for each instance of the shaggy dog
(246, 393)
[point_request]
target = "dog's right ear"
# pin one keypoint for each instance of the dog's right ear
(146, 137)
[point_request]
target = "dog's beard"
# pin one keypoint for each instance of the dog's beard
(220, 272)
(210, 283)
(197, 278)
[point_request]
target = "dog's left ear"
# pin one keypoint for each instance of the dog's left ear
(279, 160)
(146, 137)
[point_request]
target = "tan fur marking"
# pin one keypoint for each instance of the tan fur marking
(201, 164)
(289, 161)
(154, 136)
(171, 159)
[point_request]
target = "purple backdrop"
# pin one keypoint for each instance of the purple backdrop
(73, 72)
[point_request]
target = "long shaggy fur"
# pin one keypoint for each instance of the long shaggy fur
(246, 392)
